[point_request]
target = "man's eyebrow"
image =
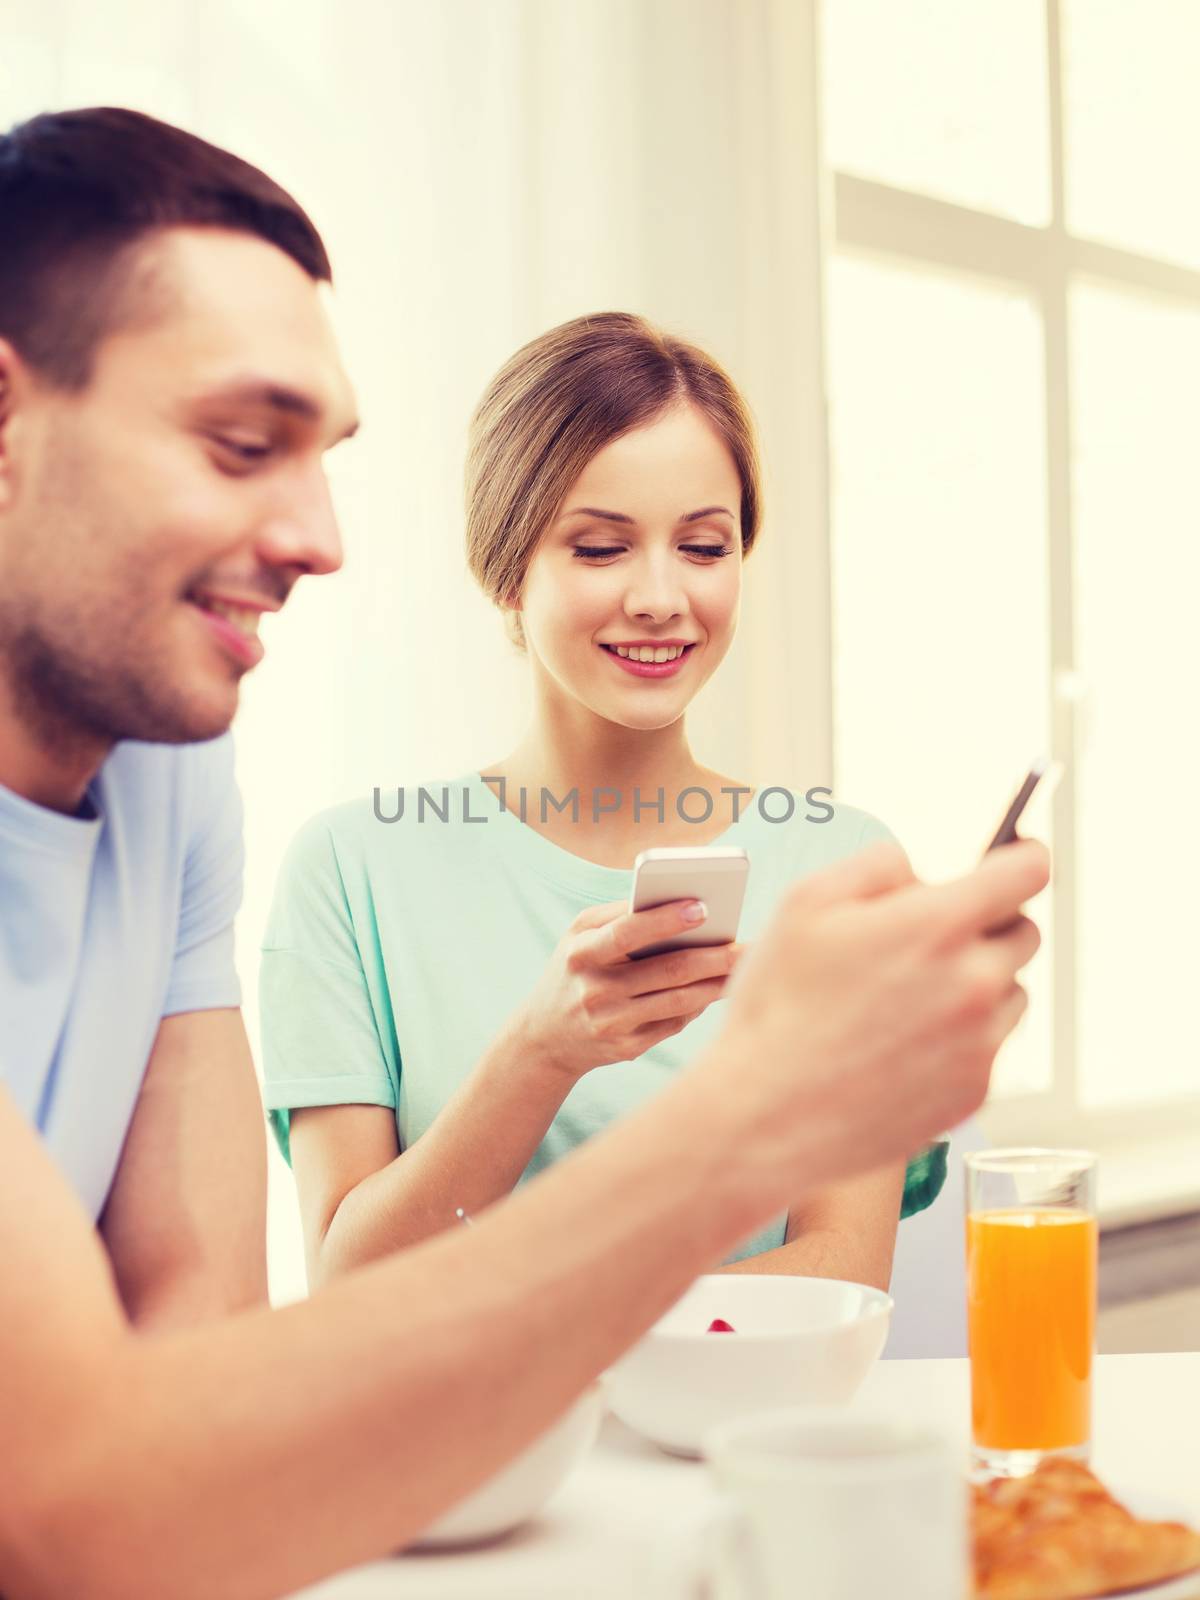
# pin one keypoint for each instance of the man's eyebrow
(276, 397)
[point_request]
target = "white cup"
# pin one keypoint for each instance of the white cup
(832, 1506)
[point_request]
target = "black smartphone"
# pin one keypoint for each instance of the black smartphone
(1006, 833)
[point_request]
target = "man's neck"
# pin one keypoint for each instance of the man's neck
(45, 760)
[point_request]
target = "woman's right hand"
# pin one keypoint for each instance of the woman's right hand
(594, 1005)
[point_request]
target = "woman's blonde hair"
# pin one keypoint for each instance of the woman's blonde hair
(559, 401)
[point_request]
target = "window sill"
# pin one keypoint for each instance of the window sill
(1147, 1182)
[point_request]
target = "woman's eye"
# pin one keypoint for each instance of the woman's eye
(596, 552)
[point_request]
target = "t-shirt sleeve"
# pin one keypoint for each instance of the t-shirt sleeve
(321, 1044)
(203, 974)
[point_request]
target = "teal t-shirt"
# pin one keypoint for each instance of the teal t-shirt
(397, 949)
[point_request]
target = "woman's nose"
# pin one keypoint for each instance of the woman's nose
(655, 595)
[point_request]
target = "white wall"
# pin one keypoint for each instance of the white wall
(483, 169)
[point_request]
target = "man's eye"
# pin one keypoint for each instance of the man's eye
(709, 550)
(245, 450)
(590, 552)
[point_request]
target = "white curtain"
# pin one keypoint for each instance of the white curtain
(481, 170)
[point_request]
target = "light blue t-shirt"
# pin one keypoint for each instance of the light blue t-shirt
(108, 923)
(396, 950)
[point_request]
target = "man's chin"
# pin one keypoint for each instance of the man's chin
(191, 719)
(208, 721)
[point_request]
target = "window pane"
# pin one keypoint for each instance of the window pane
(945, 98)
(1137, 511)
(1132, 124)
(940, 647)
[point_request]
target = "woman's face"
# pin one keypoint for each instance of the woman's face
(645, 557)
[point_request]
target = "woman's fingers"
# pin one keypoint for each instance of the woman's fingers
(620, 937)
(652, 1033)
(597, 916)
(677, 968)
(692, 998)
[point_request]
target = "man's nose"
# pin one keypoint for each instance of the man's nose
(303, 531)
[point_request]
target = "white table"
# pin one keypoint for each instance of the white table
(602, 1534)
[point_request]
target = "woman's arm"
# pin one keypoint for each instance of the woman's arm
(846, 1231)
(362, 1198)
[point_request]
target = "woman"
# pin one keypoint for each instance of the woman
(448, 1003)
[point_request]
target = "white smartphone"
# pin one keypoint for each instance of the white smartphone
(717, 875)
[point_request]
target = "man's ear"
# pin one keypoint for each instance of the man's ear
(13, 380)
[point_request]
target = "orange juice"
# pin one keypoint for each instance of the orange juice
(1031, 1310)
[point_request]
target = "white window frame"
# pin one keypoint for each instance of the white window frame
(878, 221)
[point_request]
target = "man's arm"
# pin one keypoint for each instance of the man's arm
(185, 1222)
(866, 1019)
(153, 1465)
(846, 1231)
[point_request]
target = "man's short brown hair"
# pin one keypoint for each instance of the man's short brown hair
(79, 190)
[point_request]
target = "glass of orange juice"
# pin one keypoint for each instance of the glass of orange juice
(1031, 1305)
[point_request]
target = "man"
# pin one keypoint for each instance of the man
(168, 387)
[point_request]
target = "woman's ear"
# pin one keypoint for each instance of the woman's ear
(510, 606)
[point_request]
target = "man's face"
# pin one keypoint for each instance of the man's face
(147, 521)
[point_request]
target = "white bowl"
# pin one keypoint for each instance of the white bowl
(798, 1341)
(512, 1495)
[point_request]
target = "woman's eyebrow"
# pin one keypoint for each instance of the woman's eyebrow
(606, 516)
(619, 516)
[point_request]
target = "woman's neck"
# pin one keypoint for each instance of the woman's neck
(607, 780)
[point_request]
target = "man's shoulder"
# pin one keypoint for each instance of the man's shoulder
(172, 791)
(136, 768)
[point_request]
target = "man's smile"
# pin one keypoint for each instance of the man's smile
(233, 623)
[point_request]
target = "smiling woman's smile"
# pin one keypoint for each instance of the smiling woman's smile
(650, 661)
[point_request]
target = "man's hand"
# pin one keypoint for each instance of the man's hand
(887, 997)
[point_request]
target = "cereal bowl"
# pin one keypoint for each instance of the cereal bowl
(520, 1489)
(793, 1341)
